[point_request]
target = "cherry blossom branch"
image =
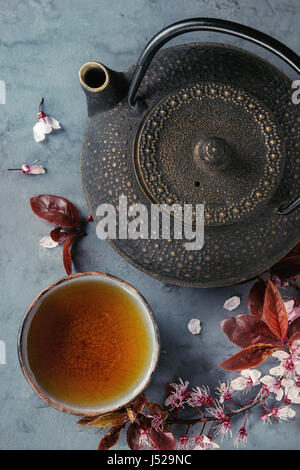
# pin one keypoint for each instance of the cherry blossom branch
(206, 419)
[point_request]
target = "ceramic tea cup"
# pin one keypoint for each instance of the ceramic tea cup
(88, 344)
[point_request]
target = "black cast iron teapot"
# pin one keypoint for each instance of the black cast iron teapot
(200, 123)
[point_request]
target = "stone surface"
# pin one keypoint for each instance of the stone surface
(43, 44)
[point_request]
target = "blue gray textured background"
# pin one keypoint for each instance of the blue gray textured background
(43, 43)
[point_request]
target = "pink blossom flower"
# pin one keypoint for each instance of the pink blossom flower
(30, 169)
(265, 418)
(248, 379)
(241, 437)
(282, 414)
(45, 124)
(279, 282)
(201, 396)
(288, 366)
(292, 390)
(183, 442)
(204, 443)
(218, 412)
(157, 422)
(225, 391)
(180, 396)
(224, 429)
(271, 385)
(292, 309)
(144, 439)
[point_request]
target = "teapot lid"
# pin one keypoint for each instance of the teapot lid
(212, 144)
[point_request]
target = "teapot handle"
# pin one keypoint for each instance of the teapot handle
(206, 24)
(221, 26)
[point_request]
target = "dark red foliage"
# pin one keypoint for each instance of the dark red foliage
(274, 311)
(61, 212)
(249, 357)
(245, 330)
(162, 440)
(256, 298)
(60, 234)
(111, 438)
(56, 210)
(294, 342)
(289, 266)
(67, 259)
(133, 436)
(139, 403)
(294, 327)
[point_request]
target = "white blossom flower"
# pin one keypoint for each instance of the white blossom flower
(232, 303)
(30, 169)
(33, 169)
(45, 124)
(47, 242)
(292, 390)
(225, 391)
(204, 443)
(179, 396)
(224, 429)
(273, 386)
(292, 311)
(248, 378)
(201, 396)
(283, 413)
(241, 437)
(194, 326)
(288, 365)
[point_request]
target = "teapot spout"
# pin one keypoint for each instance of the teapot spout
(104, 88)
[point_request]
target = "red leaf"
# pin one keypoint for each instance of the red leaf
(86, 420)
(156, 410)
(111, 438)
(56, 210)
(249, 357)
(274, 311)
(139, 403)
(244, 330)
(294, 342)
(294, 327)
(59, 234)
(162, 440)
(256, 298)
(67, 259)
(133, 436)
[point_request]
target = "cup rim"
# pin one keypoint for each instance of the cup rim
(34, 384)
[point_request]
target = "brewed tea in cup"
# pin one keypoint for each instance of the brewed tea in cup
(88, 344)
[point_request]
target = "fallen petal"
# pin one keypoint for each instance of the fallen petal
(232, 303)
(194, 326)
(54, 123)
(33, 169)
(38, 132)
(47, 242)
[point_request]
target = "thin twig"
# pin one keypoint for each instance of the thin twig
(206, 419)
